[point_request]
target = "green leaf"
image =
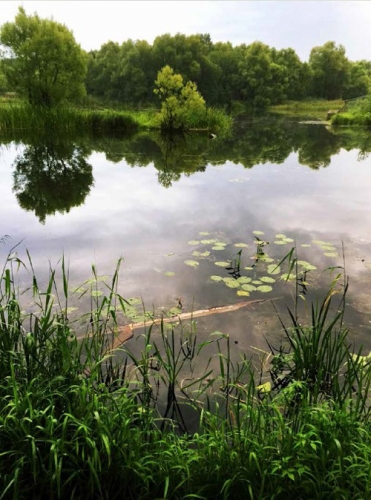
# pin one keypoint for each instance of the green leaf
(258, 233)
(209, 242)
(193, 242)
(331, 254)
(232, 283)
(169, 273)
(280, 242)
(306, 265)
(256, 282)
(248, 288)
(218, 247)
(267, 279)
(222, 264)
(244, 279)
(305, 245)
(243, 293)
(240, 245)
(273, 269)
(264, 288)
(280, 236)
(192, 263)
(134, 300)
(216, 278)
(203, 233)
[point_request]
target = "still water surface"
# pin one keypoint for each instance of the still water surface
(174, 209)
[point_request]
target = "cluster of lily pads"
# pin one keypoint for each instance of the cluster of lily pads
(245, 284)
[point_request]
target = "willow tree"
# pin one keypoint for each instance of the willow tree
(181, 105)
(41, 60)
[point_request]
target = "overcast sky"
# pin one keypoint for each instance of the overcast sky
(299, 24)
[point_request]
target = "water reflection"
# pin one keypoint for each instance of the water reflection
(52, 176)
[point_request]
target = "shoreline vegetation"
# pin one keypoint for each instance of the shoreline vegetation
(79, 422)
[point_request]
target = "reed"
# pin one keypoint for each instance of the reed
(80, 421)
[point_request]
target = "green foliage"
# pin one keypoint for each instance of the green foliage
(78, 422)
(41, 60)
(330, 69)
(180, 104)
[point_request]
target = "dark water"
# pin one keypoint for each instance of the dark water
(155, 201)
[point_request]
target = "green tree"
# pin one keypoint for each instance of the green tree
(330, 69)
(359, 82)
(41, 60)
(179, 102)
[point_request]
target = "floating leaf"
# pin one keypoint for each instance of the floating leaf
(248, 268)
(96, 279)
(240, 245)
(331, 254)
(218, 247)
(265, 258)
(204, 254)
(96, 293)
(192, 263)
(288, 276)
(267, 279)
(258, 233)
(244, 279)
(169, 273)
(193, 242)
(264, 288)
(134, 300)
(216, 278)
(289, 240)
(256, 282)
(71, 309)
(232, 283)
(203, 233)
(305, 245)
(306, 265)
(170, 254)
(280, 242)
(243, 293)
(280, 236)
(248, 288)
(273, 269)
(222, 264)
(319, 242)
(79, 289)
(329, 248)
(209, 242)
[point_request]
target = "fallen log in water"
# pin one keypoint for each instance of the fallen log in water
(125, 333)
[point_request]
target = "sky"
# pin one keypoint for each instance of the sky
(299, 24)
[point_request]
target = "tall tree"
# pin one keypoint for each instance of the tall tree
(42, 60)
(330, 70)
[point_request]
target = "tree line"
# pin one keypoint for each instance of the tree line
(41, 60)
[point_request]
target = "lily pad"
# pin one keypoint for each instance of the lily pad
(232, 283)
(216, 278)
(221, 263)
(289, 240)
(208, 242)
(169, 273)
(193, 242)
(280, 242)
(217, 247)
(244, 279)
(243, 293)
(258, 233)
(267, 279)
(134, 301)
(248, 268)
(205, 254)
(280, 236)
(306, 265)
(248, 288)
(288, 276)
(192, 263)
(319, 242)
(240, 245)
(96, 293)
(203, 233)
(256, 282)
(264, 288)
(331, 254)
(305, 245)
(273, 269)
(170, 254)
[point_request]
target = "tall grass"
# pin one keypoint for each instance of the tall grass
(80, 421)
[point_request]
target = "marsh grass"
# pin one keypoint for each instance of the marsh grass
(311, 108)
(82, 422)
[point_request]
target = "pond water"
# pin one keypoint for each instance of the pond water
(190, 215)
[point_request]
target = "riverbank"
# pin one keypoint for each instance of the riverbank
(16, 115)
(79, 422)
(313, 108)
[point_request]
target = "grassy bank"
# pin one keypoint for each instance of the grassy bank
(16, 115)
(78, 422)
(316, 109)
